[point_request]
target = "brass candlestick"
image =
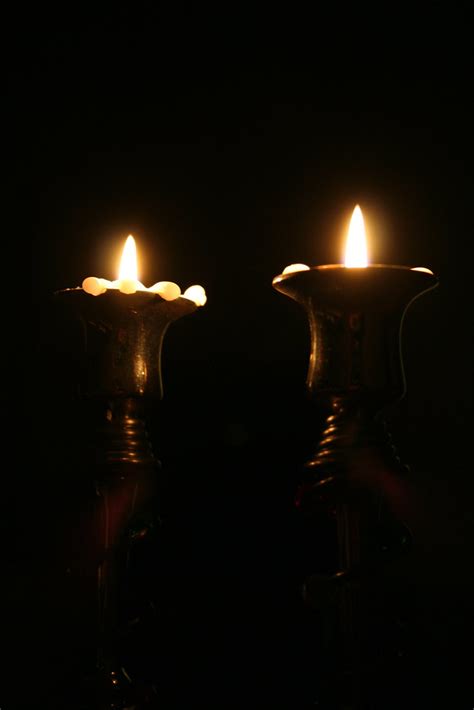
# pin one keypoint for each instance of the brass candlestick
(120, 374)
(355, 373)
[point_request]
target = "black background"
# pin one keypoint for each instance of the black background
(227, 158)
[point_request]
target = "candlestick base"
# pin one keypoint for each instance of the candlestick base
(112, 690)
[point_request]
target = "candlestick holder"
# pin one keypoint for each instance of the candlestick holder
(120, 375)
(347, 528)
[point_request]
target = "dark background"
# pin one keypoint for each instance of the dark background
(228, 159)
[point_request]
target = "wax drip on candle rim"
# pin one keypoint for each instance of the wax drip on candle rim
(423, 269)
(293, 268)
(128, 282)
(197, 294)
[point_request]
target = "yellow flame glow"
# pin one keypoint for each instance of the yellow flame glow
(356, 245)
(128, 263)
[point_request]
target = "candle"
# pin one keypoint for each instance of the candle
(356, 250)
(355, 310)
(129, 283)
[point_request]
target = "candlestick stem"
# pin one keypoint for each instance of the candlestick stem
(125, 474)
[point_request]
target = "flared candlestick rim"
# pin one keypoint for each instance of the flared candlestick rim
(374, 287)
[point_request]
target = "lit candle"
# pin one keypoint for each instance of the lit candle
(129, 283)
(355, 310)
(356, 250)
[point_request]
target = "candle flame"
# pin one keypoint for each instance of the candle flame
(128, 282)
(128, 263)
(356, 245)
